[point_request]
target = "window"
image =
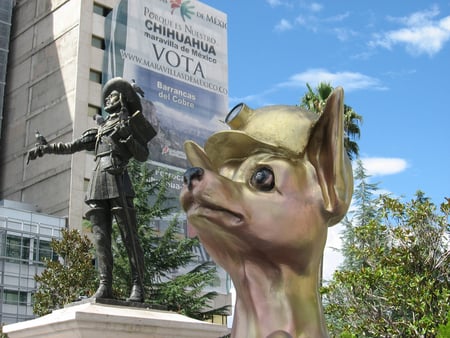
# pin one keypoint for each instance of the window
(101, 10)
(98, 42)
(93, 111)
(95, 76)
(85, 184)
(17, 247)
(15, 297)
(45, 251)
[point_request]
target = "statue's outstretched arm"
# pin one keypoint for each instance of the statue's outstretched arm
(85, 142)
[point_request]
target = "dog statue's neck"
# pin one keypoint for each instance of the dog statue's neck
(277, 302)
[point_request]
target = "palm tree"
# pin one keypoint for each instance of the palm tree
(315, 101)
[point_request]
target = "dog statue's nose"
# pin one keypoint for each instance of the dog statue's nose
(190, 174)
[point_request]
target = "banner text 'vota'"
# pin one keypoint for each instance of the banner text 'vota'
(184, 41)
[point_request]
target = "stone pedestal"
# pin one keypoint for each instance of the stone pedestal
(96, 320)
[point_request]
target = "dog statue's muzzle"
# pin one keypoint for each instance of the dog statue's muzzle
(194, 173)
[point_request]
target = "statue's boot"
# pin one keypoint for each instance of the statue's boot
(137, 293)
(128, 230)
(101, 230)
(104, 290)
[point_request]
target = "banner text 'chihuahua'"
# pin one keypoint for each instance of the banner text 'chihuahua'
(261, 197)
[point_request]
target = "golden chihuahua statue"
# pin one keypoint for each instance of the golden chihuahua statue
(261, 197)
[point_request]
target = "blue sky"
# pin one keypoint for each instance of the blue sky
(391, 57)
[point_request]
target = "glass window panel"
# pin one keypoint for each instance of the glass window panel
(95, 76)
(93, 110)
(45, 251)
(98, 42)
(101, 10)
(17, 247)
(15, 297)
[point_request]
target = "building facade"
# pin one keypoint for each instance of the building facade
(6, 7)
(53, 85)
(25, 237)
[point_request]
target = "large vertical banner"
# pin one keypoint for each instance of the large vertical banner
(176, 52)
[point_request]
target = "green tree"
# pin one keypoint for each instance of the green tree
(63, 281)
(444, 329)
(398, 282)
(315, 101)
(165, 253)
(366, 212)
(2, 335)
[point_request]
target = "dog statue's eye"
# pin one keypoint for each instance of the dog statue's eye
(263, 179)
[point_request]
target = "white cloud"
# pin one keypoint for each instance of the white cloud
(283, 25)
(315, 7)
(316, 23)
(418, 18)
(276, 3)
(309, 22)
(338, 17)
(348, 80)
(311, 17)
(344, 34)
(365, 55)
(332, 257)
(380, 166)
(423, 33)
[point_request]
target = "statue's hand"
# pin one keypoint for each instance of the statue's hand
(121, 132)
(37, 151)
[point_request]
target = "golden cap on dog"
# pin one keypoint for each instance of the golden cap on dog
(253, 131)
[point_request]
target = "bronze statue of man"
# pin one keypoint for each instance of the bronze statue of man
(123, 135)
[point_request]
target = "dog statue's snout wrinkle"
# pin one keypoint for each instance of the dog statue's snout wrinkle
(194, 173)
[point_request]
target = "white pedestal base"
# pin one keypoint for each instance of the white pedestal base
(94, 320)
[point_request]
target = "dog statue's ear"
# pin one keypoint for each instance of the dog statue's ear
(327, 154)
(196, 155)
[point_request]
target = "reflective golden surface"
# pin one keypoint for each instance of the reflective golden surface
(261, 197)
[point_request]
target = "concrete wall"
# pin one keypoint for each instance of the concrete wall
(48, 89)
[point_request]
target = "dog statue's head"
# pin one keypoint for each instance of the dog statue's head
(261, 197)
(268, 188)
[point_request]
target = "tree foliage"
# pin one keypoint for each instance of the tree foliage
(165, 253)
(395, 280)
(444, 329)
(366, 213)
(315, 101)
(63, 281)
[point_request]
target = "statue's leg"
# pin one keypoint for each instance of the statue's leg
(126, 219)
(101, 219)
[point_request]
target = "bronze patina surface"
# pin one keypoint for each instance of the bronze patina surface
(121, 136)
(261, 197)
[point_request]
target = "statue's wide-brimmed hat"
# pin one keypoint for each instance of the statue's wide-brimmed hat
(282, 130)
(133, 101)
